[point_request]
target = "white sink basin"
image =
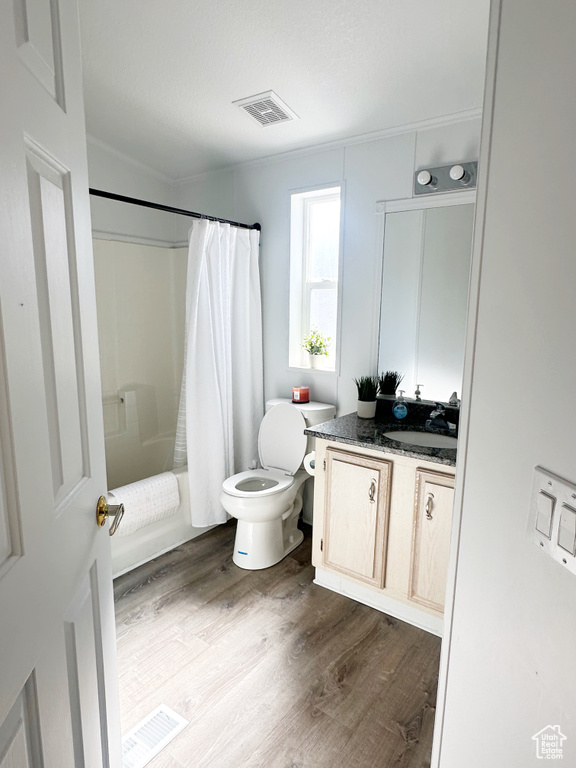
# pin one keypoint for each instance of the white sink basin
(424, 439)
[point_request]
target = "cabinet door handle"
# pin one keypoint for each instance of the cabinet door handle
(428, 508)
(372, 491)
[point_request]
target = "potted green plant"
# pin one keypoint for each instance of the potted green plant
(367, 389)
(389, 382)
(316, 344)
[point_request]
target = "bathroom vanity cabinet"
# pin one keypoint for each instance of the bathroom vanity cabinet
(382, 524)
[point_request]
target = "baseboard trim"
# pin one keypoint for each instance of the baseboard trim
(380, 602)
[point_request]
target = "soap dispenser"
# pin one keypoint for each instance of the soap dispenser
(454, 400)
(399, 409)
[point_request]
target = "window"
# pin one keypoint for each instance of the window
(314, 256)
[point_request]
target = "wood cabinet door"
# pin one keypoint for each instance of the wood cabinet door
(356, 515)
(433, 502)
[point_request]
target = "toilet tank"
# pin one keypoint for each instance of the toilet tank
(314, 413)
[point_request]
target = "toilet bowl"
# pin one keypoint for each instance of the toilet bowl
(267, 501)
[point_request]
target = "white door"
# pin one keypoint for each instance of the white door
(58, 699)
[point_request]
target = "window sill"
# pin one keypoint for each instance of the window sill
(309, 368)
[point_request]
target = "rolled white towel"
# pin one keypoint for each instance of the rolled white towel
(146, 501)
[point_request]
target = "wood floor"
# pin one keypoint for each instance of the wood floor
(271, 670)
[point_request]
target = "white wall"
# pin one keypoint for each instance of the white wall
(112, 171)
(512, 647)
(380, 169)
(210, 193)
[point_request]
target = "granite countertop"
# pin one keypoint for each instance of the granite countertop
(369, 433)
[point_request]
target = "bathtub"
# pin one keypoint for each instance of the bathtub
(129, 552)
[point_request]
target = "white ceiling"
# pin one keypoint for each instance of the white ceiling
(161, 75)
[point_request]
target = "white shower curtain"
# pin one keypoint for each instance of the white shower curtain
(221, 400)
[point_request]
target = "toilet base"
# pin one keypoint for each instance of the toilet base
(262, 545)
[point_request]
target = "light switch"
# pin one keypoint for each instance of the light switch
(567, 529)
(545, 513)
(552, 521)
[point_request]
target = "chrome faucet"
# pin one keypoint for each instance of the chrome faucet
(437, 418)
(439, 410)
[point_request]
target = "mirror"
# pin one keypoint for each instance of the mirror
(425, 275)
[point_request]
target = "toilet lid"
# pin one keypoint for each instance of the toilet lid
(281, 439)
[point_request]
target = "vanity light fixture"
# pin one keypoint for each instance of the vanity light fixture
(445, 178)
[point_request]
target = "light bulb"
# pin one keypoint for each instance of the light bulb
(424, 178)
(458, 173)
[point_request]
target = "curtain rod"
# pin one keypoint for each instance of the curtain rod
(168, 208)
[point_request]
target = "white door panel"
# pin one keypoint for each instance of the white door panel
(20, 744)
(10, 538)
(57, 295)
(38, 41)
(58, 698)
(83, 673)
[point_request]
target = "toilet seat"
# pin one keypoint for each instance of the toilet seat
(281, 439)
(281, 481)
(280, 458)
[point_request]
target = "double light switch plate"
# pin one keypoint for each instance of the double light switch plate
(552, 525)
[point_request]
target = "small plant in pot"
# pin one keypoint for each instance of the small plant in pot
(367, 389)
(316, 344)
(389, 382)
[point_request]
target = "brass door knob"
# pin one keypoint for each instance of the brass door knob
(105, 510)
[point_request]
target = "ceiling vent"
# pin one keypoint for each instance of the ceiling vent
(267, 108)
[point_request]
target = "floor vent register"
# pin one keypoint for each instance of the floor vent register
(150, 736)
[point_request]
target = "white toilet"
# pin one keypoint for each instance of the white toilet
(267, 501)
